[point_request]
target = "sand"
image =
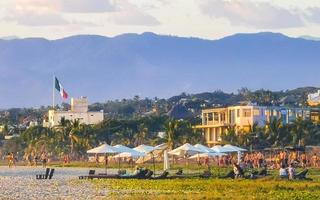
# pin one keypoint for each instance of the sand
(21, 183)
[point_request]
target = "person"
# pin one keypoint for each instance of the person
(206, 162)
(303, 159)
(238, 172)
(283, 173)
(314, 159)
(260, 160)
(65, 160)
(10, 159)
(97, 159)
(291, 171)
(44, 159)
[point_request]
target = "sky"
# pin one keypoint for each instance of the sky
(210, 19)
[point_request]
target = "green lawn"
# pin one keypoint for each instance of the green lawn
(195, 188)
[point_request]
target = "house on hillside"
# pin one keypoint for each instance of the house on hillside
(216, 121)
(79, 111)
(314, 99)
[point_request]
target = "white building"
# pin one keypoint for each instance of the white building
(314, 99)
(79, 111)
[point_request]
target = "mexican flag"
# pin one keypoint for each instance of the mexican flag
(59, 87)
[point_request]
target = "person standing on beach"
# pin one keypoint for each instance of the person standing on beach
(10, 159)
(44, 159)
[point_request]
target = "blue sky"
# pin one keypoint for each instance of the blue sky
(210, 19)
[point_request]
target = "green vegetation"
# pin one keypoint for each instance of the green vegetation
(276, 134)
(75, 139)
(265, 188)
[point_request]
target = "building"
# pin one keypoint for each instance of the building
(79, 111)
(216, 121)
(314, 99)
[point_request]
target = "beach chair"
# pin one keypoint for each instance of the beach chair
(301, 175)
(164, 175)
(263, 172)
(43, 176)
(51, 173)
(179, 172)
(230, 174)
(139, 174)
(91, 173)
(206, 174)
(148, 174)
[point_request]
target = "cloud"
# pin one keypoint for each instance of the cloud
(130, 14)
(313, 15)
(65, 12)
(252, 14)
(34, 13)
(86, 6)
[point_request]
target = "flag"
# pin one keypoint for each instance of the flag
(59, 87)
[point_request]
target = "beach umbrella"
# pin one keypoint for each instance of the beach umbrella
(232, 148)
(123, 148)
(105, 149)
(127, 152)
(186, 149)
(204, 148)
(144, 148)
(132, 154)
(158, 151)
(206, 155)
(220, 149)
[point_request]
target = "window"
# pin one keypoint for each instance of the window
(210, 132)
(216, 116)
(209, 116)
(256, 112)
(238, 113)
(246, 112)
(222, 117)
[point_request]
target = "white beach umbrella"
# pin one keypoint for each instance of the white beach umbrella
(132, 154)
(206, 155)
(204, 148)
(144, 148)
(123, 148)
(232, 148)
(186, 149)
(103, 149)
(220, 149)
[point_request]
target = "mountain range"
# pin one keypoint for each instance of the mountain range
(151, 65)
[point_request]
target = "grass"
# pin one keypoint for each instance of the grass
(195, 188)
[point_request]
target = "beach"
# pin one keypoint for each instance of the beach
(21, 183)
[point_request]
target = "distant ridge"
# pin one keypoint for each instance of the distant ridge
(152, 65)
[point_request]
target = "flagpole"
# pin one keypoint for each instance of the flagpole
(53, 92)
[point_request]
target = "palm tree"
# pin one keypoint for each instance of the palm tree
(73, 134)
(142, 134)
(172, 129)
(274, 127)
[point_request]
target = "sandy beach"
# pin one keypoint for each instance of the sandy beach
(21, 183)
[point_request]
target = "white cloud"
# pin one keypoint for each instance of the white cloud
(130, 14)
(252, 14)
(313, 15)
(86, 6)
(33, 13)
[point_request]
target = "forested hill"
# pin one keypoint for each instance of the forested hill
(180, 106)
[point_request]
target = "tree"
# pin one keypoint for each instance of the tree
(275, 132)
(172, 130)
